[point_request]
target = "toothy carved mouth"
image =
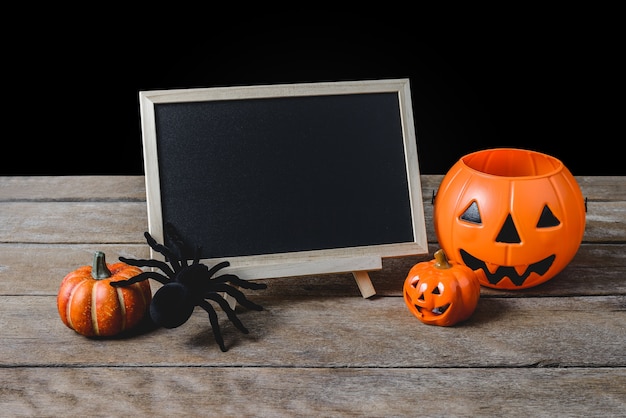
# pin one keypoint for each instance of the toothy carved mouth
(540, 267)
(440, 310)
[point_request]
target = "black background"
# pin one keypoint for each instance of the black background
(545, 84)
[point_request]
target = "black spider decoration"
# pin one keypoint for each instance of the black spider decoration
(186, 286)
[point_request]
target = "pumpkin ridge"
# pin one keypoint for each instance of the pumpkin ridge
(94, 313)
(68, 308)
(120, 301)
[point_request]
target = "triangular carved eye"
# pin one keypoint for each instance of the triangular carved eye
(472, 214)
(547, 219)
(436, 291)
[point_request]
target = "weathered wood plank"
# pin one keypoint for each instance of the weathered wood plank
(73, 188)
(35, 209)
(125, 222)
(289, 392)
(606, 222)
(73, 222)
(603, 188)
(38, 269)
(597, 269)
(318, 348)
(132, 188)
(336, 332)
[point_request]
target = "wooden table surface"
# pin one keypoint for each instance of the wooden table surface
(318, 348)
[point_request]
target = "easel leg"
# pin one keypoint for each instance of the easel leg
(365, 284)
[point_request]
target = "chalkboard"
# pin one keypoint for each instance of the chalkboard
(286, 180)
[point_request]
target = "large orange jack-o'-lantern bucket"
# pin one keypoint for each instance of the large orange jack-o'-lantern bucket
(516, 217)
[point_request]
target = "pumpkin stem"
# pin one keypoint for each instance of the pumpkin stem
(441, 260)
(100, 269)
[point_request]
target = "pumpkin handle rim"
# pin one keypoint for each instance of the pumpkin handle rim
(99, 269)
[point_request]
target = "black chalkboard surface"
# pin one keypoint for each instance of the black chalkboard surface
(286, 180)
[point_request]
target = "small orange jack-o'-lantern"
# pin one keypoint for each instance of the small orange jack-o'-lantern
(439, 292)
(516, 217)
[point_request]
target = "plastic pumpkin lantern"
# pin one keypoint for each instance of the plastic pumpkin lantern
(514, 216)
(439, 292)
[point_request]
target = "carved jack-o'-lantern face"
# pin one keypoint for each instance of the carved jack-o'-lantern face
(439, 292)
(516, 217)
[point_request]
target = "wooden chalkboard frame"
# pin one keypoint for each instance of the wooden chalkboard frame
(358, 259)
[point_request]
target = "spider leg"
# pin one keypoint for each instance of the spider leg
(215, 326)
(169, 254)
(149, 263)
(178, 242)
(229, 311)
(239, 282)
(237, 294)
(217, 267)
(140, 277)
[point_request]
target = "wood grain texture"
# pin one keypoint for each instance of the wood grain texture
(73, 188)
(38, 222)
(318, 348)
(597, 269)
(344, 331)
(111, 188)
(311, 392)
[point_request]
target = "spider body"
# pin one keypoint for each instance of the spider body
(186, 286)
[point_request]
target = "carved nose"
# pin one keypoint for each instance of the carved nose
(508, 234)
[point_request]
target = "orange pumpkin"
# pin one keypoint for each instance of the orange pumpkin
(89, 305)
(514, 216)
(439, 292)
